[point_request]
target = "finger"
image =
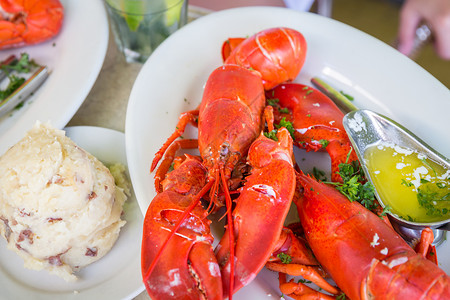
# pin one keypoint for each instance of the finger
(442, 39)
(409, 21)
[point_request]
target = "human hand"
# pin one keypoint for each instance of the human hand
(435, 13)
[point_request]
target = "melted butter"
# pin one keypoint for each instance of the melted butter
(404, 179)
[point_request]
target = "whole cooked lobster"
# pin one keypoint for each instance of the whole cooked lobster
(229, 119)
(29, 22)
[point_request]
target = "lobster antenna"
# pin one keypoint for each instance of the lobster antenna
(177, 225)
(231, 235)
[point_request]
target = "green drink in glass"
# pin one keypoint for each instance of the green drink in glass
(139, 26)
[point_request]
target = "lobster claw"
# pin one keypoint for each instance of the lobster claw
(261, 208)
(187, 268)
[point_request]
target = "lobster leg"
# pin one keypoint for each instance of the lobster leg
(317, 122)
(169, 158)
(306, 272)
(185, 118)
(298, 261)
(229, 45)
(294, 248)
(300, 290)
(425, 248)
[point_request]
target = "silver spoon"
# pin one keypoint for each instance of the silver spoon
(366, 128)
(378, 128)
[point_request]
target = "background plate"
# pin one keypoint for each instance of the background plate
(74, 58)
(117, 275)
(376, 75)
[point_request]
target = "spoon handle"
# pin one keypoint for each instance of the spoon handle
(445, 227)
(341, 101)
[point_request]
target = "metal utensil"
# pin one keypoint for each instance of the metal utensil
(375, 128)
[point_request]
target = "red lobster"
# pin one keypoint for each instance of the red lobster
(224, 138)
(229, 120)
(365, 257)
(29, 22)
(317, 122)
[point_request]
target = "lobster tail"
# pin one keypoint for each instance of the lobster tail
(31, 22)
(277, 54)
(339, 231)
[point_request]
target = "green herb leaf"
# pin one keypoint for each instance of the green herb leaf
(341, 297)
(319, 174)
(408, 184)
(347, 96)
(271, 135)
(14, 83)
(287, 125)
(324, 143)
(301, 280)
(283, 110)
(22, 65)
(355, 186)
(273, 101)
(285, 258)
(433, 198)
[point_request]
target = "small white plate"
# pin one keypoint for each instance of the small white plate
(74, 59)
(115, 276)
(378, 76)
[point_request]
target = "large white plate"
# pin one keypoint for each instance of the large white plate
(377, 76)
(74, 58)
(117, 275)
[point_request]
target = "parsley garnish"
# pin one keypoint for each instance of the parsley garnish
(285, 258)
(319, 174)
(271, 135)
(301, 280)
(283, 110)
(287, 125)
(347, 96)
(273, 101)
(341, 297)
(424, 161)
(22, 65)
(352, 185)
(14, 83)
(324, 143)
(405, 183)
(434, 197)
(435, 201)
